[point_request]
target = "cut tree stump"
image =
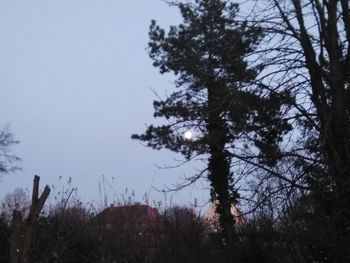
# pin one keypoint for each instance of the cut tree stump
(22, 228)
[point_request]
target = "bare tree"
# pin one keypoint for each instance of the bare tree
(307, 53)
(17, 200)
(7, 160)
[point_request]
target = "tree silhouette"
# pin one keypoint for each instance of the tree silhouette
(7, 160)
(207, 54)
(307, 51)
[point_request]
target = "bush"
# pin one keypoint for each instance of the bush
(65, 236)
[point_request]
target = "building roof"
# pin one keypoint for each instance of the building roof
(136, 214)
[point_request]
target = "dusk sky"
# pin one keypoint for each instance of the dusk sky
(75, 82)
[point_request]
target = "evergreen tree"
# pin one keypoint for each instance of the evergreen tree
(207, 54)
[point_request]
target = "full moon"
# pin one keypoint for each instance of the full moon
(188, 135)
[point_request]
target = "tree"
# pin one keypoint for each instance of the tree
(21, 236)
(184, 236)
(307, 51)
(7, 160)
(17, 200)
(207, 54)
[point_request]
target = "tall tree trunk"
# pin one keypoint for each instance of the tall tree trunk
(219, 166)
(337, 146)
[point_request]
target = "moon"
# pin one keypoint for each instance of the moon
(188, 135)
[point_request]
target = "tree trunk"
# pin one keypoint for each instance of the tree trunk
(22, 229)
(219, 166)
(337, 145)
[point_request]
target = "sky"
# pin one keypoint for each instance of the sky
(75, 83)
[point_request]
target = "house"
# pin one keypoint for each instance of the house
(136, 214)
(128, 232)
(212, 217)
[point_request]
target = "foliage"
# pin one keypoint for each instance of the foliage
(185, 236)
(65, 236)
(126, 233)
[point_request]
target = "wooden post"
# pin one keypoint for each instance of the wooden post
(22, 229)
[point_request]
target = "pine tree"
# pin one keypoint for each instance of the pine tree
(207, 54)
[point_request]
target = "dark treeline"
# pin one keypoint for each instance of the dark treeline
(139, 233)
